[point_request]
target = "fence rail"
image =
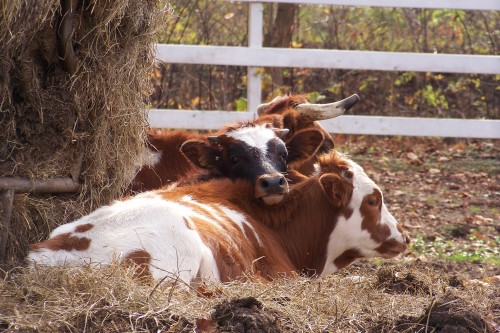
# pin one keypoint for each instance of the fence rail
(339, 59)
(255, 56)
(431, 4)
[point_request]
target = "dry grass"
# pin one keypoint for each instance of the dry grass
(110, 300)
(89, 125)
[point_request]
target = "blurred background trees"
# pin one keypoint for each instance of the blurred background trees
(206, 87)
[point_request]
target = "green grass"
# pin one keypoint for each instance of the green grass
(471, 164)
(478, 250)
(493, 211)
(456, 165)
(431, 199)
(475, 209)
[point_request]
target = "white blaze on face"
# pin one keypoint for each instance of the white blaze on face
(254, 136)
(367, 186)
(348, 233)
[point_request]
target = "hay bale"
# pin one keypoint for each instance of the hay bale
(89, 125)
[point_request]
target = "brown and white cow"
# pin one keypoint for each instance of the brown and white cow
(217, 230)
(167, 164)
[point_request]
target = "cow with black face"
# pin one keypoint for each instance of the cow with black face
(163, 163)
(254, 152)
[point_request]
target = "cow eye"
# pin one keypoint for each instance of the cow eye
(234, 159)
(373, 202)
(284, 156)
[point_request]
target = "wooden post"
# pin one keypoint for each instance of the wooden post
(6, 199)
(9, 185)
(56, 185)
(254, 82)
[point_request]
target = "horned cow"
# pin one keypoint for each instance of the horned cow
(171, 163)
(217, 230)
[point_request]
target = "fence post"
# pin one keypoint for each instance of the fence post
(254, 82)
(6, 200)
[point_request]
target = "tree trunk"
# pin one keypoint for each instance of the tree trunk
(280, 34)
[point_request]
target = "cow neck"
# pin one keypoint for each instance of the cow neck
(305, 235)
(302, 224)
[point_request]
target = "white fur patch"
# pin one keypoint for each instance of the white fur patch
(165, 229)
(317, 169)
(254, 136)
(348, 233)
(154, 225)
(240, 220)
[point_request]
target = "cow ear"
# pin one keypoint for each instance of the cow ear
(337, 189)
(304, 144)
(201, 153)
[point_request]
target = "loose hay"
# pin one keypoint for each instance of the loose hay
(83, 299)
(88, 126)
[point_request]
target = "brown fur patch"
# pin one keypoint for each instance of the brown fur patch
(189, 223)
(346, 258)
(280, 105)
(231, 261)
(63, 242)
(371, 217)
(84, 227)
(141, 259)
(332, 162)
(172, 165)
(391, 247)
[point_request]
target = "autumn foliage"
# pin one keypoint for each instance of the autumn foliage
(205, 87)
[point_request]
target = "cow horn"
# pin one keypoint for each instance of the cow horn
(281, 133)
(261, 109)
(327, 111)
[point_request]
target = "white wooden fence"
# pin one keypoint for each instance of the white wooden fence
(255, 56)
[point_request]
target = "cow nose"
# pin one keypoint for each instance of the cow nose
(272, 184)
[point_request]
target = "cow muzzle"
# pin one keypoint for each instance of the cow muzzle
(271, 188)
(392, 248)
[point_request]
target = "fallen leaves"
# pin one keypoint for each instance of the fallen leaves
(414, 159)
(205, 326)
(478, 219)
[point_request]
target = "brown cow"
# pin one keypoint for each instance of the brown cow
(216, 230)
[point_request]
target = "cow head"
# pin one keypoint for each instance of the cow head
(295, 113)
(365, 227)
(254, 152)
